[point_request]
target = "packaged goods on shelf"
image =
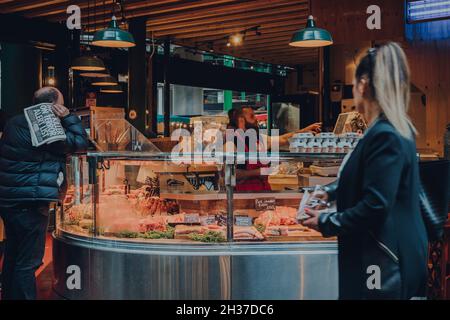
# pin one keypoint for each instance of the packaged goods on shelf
(325, 142)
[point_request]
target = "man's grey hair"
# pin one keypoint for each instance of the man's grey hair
(46, 95)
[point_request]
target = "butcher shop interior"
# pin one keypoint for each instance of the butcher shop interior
(157, 207)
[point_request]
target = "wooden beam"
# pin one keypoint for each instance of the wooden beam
(234, 26)
(152, 8)
(19, 6)
(59, 11)
(283, 43)
(224, 10)
(264, 15)
(266, 33)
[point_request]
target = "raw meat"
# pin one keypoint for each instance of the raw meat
(247, 233)
(283, 216)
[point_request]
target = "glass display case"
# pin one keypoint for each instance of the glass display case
(145, 196)
(142, 224)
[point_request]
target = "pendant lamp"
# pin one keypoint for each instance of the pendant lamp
(113, 37)
(88, 63)
(94, 74)
(112, 89)
(311, 36)
(105, 81)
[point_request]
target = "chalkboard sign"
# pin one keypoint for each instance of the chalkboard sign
(244, 221)
(264, 204)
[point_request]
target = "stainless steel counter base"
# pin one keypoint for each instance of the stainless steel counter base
(124, 270)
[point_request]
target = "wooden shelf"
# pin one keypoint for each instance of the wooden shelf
(223, 196)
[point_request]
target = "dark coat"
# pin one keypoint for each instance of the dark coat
(28, 173)
(378, 220)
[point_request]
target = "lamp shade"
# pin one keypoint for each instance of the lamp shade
(94, 74)
(112, 89)
(311, 36)
(105, 81)
(113, 37)
(88, 63)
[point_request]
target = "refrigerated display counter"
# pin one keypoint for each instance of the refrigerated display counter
(139, 224)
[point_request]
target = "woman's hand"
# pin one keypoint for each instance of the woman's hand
(313, 221)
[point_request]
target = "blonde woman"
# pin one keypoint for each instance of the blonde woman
(382, 237)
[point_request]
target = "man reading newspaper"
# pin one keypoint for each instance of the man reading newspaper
(30, 179)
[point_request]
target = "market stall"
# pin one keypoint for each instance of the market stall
(141, 224)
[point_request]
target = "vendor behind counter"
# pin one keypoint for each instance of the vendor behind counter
(248, 176)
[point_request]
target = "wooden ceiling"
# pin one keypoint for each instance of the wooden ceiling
(196, 23)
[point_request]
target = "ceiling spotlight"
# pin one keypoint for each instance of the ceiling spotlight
(237, 39)
(228, 44)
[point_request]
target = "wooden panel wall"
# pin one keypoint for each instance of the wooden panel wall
(346, 19)
(430, 71)
(429, 60)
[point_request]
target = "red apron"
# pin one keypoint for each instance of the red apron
(253, 184)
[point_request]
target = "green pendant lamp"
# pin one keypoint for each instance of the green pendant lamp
(112, 89)
(311, 36)
(105, 81)
(113, 37)
(88, 63)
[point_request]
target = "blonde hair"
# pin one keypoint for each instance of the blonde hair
(391, 80)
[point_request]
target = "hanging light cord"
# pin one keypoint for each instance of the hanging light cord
(153, 45)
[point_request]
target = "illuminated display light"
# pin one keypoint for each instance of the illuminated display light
(427, 10)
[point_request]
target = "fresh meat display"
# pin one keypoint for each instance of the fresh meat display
(157, 223)
(246, 233)
(186, 230)
(282, 216)
(121, 225)
(137, 225)
(145, 203)
(176, 218)
(78, 213)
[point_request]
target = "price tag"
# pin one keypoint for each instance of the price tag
(192, 218)
(244, 221)
(264, 204)
(209, 220)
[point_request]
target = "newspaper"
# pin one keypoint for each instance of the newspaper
(45, 127)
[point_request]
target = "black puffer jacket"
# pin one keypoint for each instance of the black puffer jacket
(28, 173)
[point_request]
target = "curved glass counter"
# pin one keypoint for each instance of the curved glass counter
(141, 224)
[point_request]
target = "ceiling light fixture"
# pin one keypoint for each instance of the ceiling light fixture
(88, 62)
(113, 36)
(113, 89)
(105, 81)
(311, 36)
(237, 39)
(94, 74)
